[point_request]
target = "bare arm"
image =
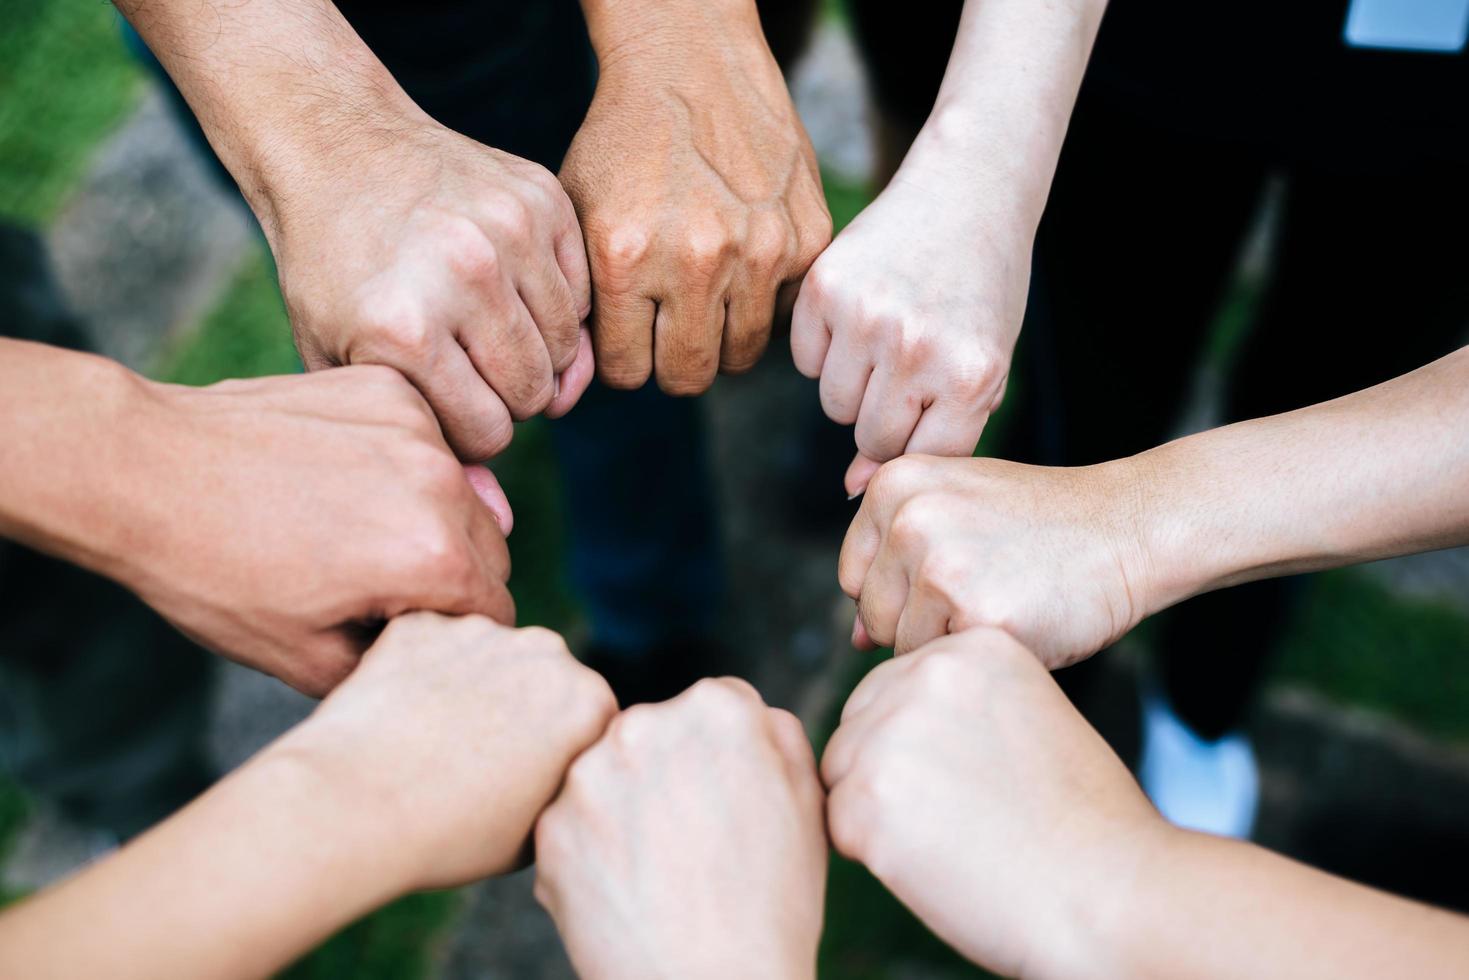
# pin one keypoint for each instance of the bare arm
(911, 316)
(1038, 856)
(398, 241)
(1070, 558)
(1378, 473)
(343, 813)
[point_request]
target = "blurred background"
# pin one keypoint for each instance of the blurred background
(117, 237)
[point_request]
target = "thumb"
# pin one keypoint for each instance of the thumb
(859, 473)
(860, 639)
(487, 488)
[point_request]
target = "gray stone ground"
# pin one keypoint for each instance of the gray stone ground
(147, 245)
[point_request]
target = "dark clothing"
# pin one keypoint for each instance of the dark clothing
(1185, 113)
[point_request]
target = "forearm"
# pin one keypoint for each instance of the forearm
(65, 424)
(1379, 473)
(238, 884)
(1210, 907)
(278, 85)
(1001, 114)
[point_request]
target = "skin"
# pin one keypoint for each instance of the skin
(398, 241)
(278, 521)
(965, 780)
(342, 814)
(910, 318)
(689, 842)
(1069, 559)
(697, 189)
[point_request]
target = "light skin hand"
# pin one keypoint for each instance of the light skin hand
(911, 317)
(462, 729)
(689, 842)
(398, 241)
(1049, 554)
(426, 769)
(966, 782)
(697, 189)
(278, 521)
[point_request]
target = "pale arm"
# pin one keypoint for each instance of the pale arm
(1378, 473)
(238, 884)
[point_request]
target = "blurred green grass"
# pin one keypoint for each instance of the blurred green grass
(68, 81)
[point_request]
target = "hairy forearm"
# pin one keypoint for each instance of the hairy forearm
(1006, 99)
(238, 884)
(1378, 473)
(278, 86)
(1210, 907)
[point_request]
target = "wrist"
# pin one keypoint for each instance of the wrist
(83, 424)
(999, 195)
(623, 28)
(356, 815)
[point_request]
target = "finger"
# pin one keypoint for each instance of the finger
(488, 489)
(860, 640)
(791, 739)
(948, 429)
(884, 594)
(859, 548)
(925, 617)
(844, 376)
(859, 474)
(488, 594)
(686, 342)
(887, 417)
(810, 336)
(553, 307)
(475, 422)
(747, 319)
(509, 353)
(571, 256)
(573, 382)
(622, 336)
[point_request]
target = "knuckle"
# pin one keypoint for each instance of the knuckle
(511, 215)
(705, 249)
(402, 335)
(619, 249)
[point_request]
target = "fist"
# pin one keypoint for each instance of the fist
(1050, 555)
(457, 732)
(701, 201)
(689, 842)
(458, 265)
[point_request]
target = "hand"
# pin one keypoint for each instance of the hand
(910, 318)
(698, 191)
(457, 264)
(279, 519)
(1051, 555)
(968, 784)
(689, 843)
(451, 738)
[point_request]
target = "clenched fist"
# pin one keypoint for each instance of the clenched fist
(461, 266)
(1051, 555)
(697, 189)
(689, 842)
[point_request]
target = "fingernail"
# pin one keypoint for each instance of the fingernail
(856, 628)
(556, 387)
(853, 496)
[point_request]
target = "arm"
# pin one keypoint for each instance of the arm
(191, 497)
(1070, 559)
(1038, 856)
(398, 241)
(697, 189)
(913, 343)
(341, 815)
